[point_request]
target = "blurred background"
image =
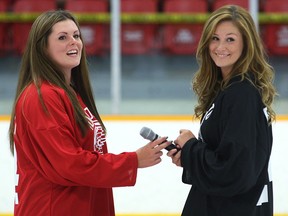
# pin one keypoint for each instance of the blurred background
(141, 56)
(156, 41)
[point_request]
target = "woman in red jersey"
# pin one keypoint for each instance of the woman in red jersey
(63, 167)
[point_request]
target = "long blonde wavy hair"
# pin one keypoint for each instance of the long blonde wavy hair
(207, 81)
(37, 66)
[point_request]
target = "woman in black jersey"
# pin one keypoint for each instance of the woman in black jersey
(228, 164)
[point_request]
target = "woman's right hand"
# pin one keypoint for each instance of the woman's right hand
(150, 154)
(175, 156)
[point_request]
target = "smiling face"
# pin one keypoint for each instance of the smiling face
(226, 46)
(65, 46)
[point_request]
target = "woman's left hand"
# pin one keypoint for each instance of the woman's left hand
(183, 137)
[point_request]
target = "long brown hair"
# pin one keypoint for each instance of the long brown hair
(36, 67)
(207, 81)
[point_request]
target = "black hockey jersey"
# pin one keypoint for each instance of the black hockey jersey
(228, 164)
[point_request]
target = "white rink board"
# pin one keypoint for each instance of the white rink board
(158, 189)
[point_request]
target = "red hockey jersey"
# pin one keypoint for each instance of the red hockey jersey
(58, 171)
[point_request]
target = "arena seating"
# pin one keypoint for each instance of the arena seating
(276, 35)
(92, 33)
(3, 30)
(219, 3)
(20, 30)
(182, 38)
(137, 38)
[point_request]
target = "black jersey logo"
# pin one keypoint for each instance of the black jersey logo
(209, 112)
(206, 116)
(265, 111)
